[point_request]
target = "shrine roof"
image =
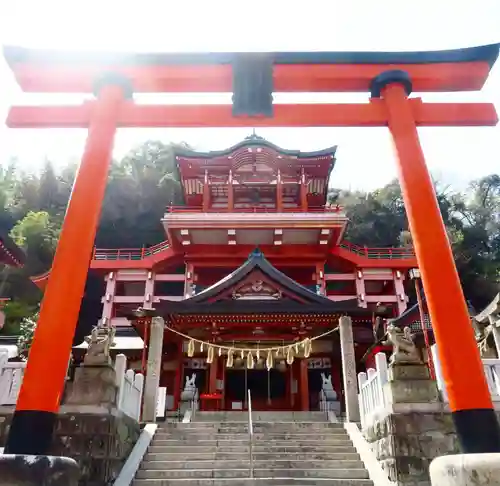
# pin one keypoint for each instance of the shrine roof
(410, 315)
(10, 253)
(256, 150)
(257, 141)
(258, 287)
(490, 310)
(69, 71)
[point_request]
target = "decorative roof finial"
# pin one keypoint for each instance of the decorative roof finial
(256, 253)
(254, 136)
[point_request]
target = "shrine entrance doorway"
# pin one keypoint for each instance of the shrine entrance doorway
(268, 389)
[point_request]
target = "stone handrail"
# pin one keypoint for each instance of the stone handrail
(491, 370)
(11, 377)
(130, 387)
(371, 395)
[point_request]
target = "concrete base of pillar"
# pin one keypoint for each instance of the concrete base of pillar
(18, 470)
(466, 470)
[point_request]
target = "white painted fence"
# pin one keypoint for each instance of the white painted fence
(11, 377)
(371, 394)
(491, 371)
(130, 387)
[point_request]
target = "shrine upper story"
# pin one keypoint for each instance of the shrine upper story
(255, 193)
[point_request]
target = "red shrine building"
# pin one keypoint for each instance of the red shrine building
(256, 257)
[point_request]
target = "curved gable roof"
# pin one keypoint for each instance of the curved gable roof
(255, 141)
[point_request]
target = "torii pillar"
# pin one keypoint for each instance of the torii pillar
(472, 410)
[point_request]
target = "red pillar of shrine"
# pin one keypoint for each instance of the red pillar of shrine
(43, 383)
(304, 386)
(470, 401)
(179, 371)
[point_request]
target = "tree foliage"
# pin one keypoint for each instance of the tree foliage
(146, 180)
(472, 221)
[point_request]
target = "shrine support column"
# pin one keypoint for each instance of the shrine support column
(178, 375)
(279, 193)
(230, 192)
(45, 375)
(470, 401)
(212, 383)
(304, 386)
(155, 351)
(349, 369)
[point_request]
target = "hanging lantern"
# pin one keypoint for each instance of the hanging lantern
(289, 355)
(296, 348)
(201, 347)
(191, 348)
(250, 361)
(242, 354)
(220, 352)
(230, 359)
(307, 348)
(278, 351)
(269, 360)
(257, 354)
(210, 355)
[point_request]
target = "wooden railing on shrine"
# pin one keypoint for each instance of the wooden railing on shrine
(254, 209)
(378, 253)
(128, 253)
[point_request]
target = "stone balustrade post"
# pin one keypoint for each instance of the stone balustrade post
(349, 369)
(152, 382)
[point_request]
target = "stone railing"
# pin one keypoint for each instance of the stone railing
(371, 395)
(491, 371)
(130, 387)
(11, 377)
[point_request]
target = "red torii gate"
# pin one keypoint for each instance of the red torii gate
(252, 78)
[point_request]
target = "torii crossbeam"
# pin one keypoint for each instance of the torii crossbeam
(253, 78)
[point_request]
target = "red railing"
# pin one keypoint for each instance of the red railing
(379, 253)
(254, 209)
(128, 253)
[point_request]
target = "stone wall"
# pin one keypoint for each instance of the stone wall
(99, 442)
(406, 441)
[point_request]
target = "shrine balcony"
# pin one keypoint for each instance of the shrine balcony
(391, 253)
(128, 253)
(256, 209)
(138, 254)
(254, 226)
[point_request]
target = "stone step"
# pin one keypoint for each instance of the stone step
(260, 417)
(149, 465)
(244, 442)
(331, 473)
(243, 456)
(285, 448)
(275, 423)
(268, 436)
(252, 482)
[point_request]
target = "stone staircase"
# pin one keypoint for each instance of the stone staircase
(288, 449)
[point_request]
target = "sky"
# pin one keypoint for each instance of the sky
(365, 158)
